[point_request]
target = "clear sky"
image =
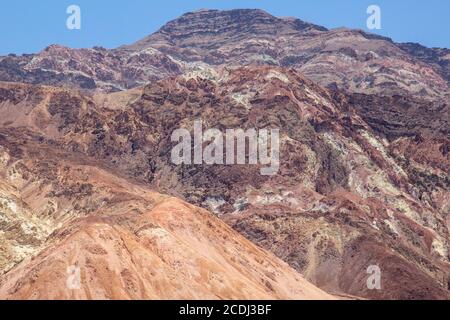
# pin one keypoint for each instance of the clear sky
(28, 26)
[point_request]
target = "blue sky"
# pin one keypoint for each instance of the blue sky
(29, 26)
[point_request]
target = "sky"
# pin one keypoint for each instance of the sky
(28, 26)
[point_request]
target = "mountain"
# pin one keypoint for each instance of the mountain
(349, 59)
(86, 170)
(108, 70)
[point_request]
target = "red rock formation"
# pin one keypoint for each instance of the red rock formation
(363, 179)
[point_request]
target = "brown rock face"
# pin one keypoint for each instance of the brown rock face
(108, 70)
(363, 178)
(63, 210)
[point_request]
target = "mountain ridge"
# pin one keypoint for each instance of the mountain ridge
(164, 53)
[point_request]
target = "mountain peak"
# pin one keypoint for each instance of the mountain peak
(231, 25)
(229, 12)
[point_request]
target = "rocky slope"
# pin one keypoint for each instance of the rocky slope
(62, 209)
(108, 70)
